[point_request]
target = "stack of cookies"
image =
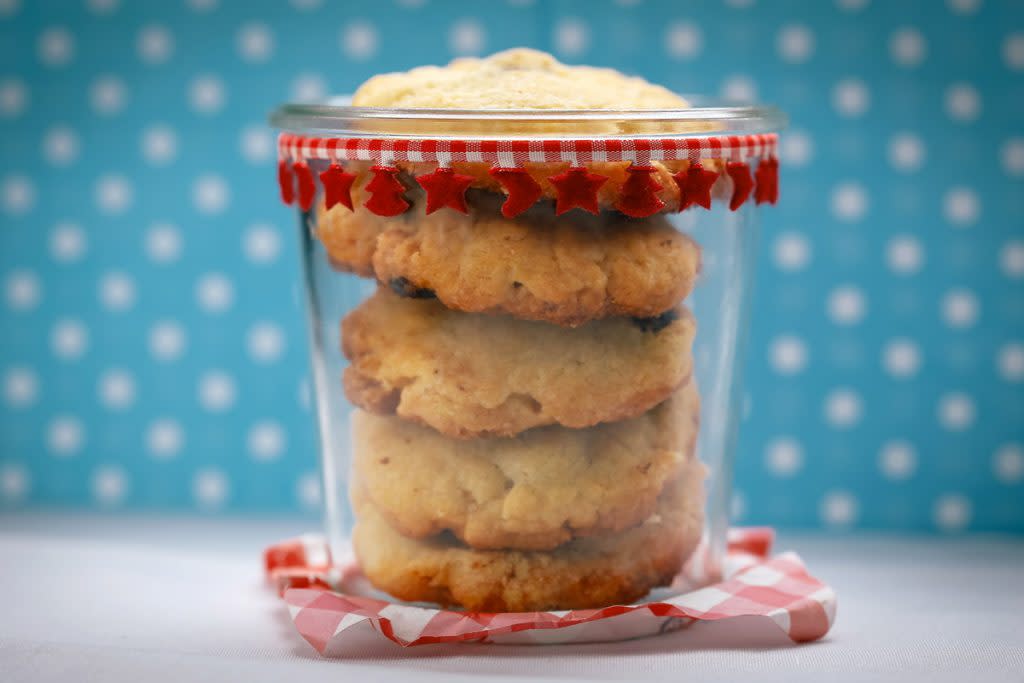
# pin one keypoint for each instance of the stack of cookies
(526, 423)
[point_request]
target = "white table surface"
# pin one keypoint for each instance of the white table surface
(153, 600)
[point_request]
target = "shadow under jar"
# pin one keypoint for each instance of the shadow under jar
(526, 331)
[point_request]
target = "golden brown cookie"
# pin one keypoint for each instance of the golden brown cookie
(562, 269)
(533, 491)
(469, 375)
(588, 572)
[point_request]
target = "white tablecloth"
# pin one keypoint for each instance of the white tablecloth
(153, 600)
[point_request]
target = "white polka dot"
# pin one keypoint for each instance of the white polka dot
(163, 243)
(261, 244)
(265, 342)
(849, 202)
(18, 194)
(359, 40)
(952, 513)
(67, 243)
(117, 389)
(307, 5)
(466, 37)
(906, 152)
(167, 340)
(56, 46)
(1011, 259)
(852, 5)
(65, 435)
(200, 6)
(108, 95)
(60, 145)
(14, 482)
(839, 509)
(784, 457)
(305, 88)
(215, 293)
(897, 460)
(159, 144)
(739, 4)
(791, 252)
(9, 8)
(256, 143)
(901, 358)
(307, 490)
(739, 89)
(255, 43)
(961, 206)
(114, 194)
(155, 44)
(21, 387)
(964, 6)
(216, 391)
(843, 408)
(956, 411)
(421, 3)
(210, 194)
(796, 148)
(305, 394)
(795, 43)
(117, 292)
(206, 94)
(1008, 463)
(210, 489)
(109, 485)
(904, 255)
(1010, 362)
(571, 37)
(788, 355)
(22, 290)
(1013, 51)
(1012, 157)
(850, 97)
(69, 339)
(960, 308)
(102, 6)
(846, 305)
(266, 441)
(737, 506)
(13, 97)
(907, 47)
(963, 103)
(164, 439)
(683, 40)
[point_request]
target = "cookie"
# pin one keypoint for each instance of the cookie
(561, 269)
(534, 491)
(588, 572)
(470, 375)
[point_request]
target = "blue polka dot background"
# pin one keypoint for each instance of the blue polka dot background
(152, 354)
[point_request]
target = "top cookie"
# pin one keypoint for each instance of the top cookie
(514, 79)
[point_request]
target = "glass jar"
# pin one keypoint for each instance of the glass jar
(526, 334)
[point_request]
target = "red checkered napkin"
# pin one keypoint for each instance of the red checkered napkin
(333, 606)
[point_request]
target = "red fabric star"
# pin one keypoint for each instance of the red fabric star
(286, 182)
(307, 188)
(386, 192)
(577, 187)
(767, 176)
(638, 196)
(695, 186)
(742, 183)
(337, 186)
(444, 188)
(523, 190)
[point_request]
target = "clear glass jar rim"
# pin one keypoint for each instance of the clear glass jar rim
(335, 117)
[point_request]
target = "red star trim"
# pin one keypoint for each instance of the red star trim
(337, 186)
(444, 188)
(286, 182)
(577, 187)
(386, 192)
(638, 196)
(307, 188)
(523, 190)
(767, 176)
(742, 183)
(695, 186)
